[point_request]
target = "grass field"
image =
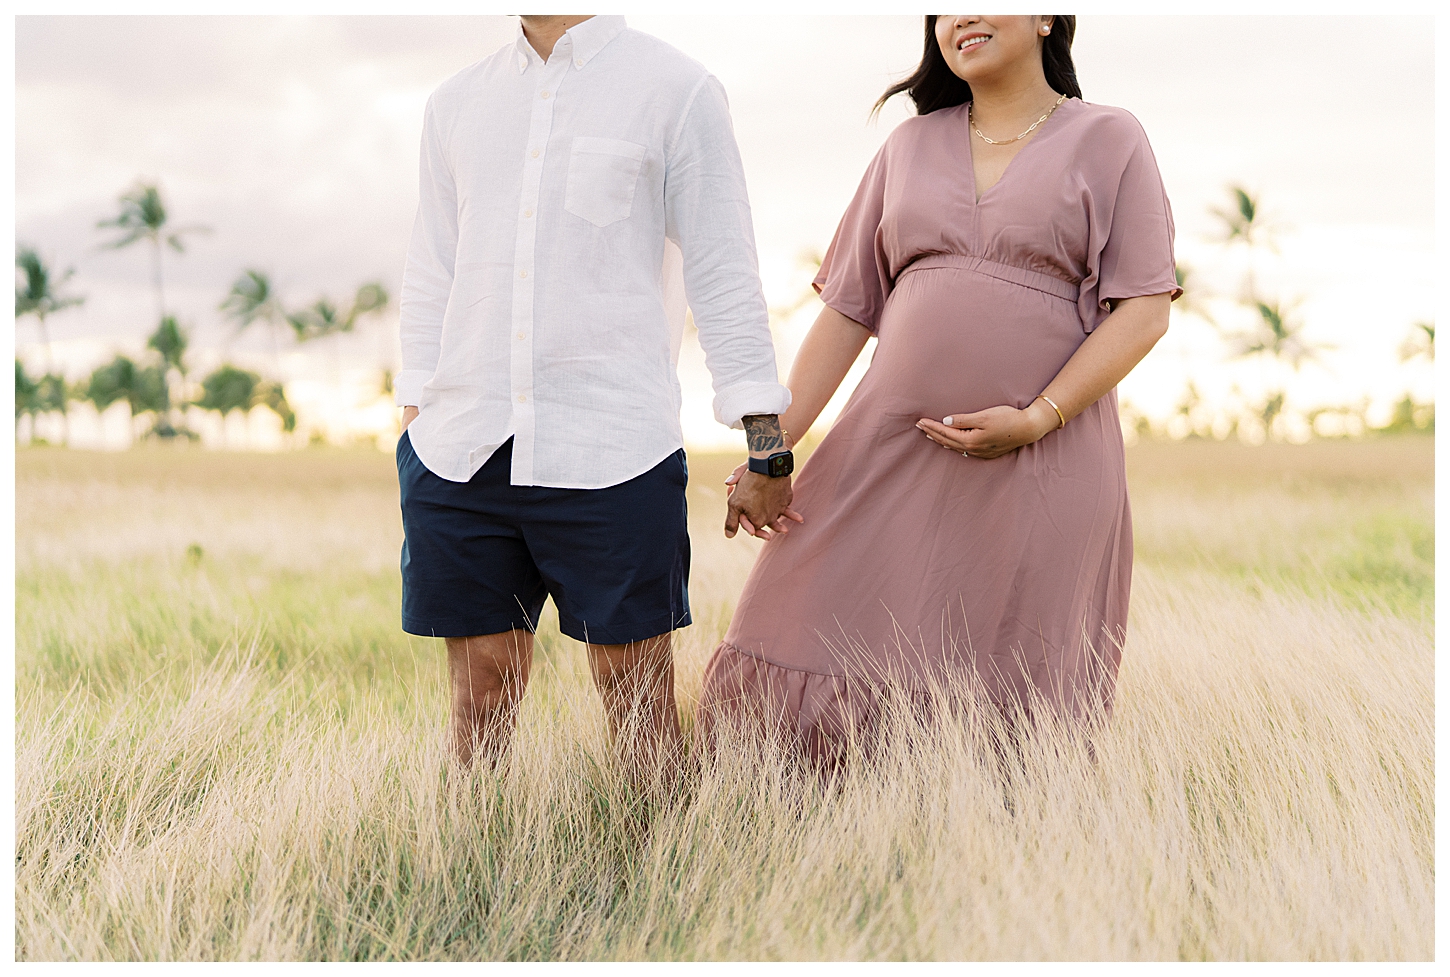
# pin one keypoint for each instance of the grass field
(226, 749)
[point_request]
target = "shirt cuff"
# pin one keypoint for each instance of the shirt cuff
(750, 398)
(408, 387)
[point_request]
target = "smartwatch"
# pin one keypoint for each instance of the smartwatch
(778, 465)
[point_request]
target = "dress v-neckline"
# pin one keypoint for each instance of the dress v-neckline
(977, 195)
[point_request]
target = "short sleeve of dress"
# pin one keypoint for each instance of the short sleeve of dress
(1135, 257)
(854, 278)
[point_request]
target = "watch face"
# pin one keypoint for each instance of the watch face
(781, 465)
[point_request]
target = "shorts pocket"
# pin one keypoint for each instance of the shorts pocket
(408, 464)
(602, 178)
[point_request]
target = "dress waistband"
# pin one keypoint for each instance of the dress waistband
(995, 269)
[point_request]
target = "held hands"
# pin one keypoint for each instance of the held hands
(758, 504)
(993, 432)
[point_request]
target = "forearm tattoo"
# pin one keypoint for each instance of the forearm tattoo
(762, 433)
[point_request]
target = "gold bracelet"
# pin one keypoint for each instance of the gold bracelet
(1061, 421)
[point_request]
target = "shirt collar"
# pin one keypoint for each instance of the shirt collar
(586, 39)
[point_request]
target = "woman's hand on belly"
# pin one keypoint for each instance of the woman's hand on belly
(993, 432)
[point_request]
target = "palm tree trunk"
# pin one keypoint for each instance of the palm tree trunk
(50, 371)
(156, 277)
(45, 342)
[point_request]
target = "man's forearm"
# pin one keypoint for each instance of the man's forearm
(763, 434)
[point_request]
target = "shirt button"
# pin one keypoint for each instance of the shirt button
(579, 63)
(543, 94)
(523, 274)
(535, 154)
(522, 398)
(521, 335)
(528, 213)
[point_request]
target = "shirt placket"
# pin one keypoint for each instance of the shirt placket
(521, 340)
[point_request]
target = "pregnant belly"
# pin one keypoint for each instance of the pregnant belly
(954, 340)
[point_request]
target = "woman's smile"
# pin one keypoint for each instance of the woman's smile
(974, 39)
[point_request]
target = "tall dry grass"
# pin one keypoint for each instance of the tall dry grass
(235, 755)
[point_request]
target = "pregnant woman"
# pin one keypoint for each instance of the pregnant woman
(1011, 248)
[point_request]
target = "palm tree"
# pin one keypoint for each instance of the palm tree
(229, 388)
(143, 389)
(1272, 407)
(253, 299)
(143, 217)
(1244, 223)
(170, 340)
(270, 395)
(1277, 335)
(39, 296)
(27, 397)
(40, 395)
(324, 318)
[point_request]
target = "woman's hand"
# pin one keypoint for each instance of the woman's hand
(409, 413)
(993, 432)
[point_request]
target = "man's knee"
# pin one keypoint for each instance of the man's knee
(486, 670)
(645, 666)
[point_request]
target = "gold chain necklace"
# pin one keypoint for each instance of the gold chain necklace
(1003, 142)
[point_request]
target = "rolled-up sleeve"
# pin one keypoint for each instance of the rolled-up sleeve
(707, 212)
(428, 274)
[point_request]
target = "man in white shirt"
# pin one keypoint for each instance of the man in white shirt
(568, 182)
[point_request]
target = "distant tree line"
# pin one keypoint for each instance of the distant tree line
(158, 384)
(1276, 335)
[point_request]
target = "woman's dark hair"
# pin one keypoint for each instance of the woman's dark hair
(934, 86)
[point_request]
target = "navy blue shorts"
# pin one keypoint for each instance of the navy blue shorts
(479, 557)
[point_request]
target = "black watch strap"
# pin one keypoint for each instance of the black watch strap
(778, 465)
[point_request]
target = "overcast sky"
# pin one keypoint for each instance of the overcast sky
(295, 141)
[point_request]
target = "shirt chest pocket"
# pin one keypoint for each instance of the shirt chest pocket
(602, 178)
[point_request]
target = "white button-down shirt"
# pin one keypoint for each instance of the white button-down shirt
(567, 211)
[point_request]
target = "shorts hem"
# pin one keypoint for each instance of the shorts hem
(456, 629)
(623, 633)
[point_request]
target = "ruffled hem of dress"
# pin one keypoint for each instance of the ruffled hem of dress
(820, 714)
(816, 713)
(806, 709)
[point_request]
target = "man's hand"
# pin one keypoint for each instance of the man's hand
(760, 505)
(779, 525)
(409, 413)
(758, 502)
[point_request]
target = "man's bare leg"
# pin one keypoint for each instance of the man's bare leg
(637, 683)
(488, 674)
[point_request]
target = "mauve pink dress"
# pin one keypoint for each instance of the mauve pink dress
(914, 560)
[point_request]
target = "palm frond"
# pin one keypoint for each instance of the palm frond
(250, 299)
(38, 296)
